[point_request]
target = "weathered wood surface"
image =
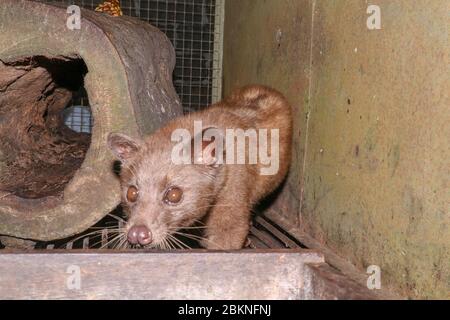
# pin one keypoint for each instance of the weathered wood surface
(40, 155)
(55, 183)
(255, 274)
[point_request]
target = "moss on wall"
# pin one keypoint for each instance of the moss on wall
(370, 163)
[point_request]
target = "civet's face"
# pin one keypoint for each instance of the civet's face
(160, 197)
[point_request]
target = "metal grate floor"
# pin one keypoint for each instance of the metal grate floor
(264, 234)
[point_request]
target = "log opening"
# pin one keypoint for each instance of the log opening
(39, 154)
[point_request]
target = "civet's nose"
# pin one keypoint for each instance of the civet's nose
(139, 235)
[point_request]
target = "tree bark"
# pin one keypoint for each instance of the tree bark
(55, 182)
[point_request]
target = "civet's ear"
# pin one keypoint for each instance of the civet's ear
(208, 148)
(123, 147)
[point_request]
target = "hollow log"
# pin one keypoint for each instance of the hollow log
(55, 182)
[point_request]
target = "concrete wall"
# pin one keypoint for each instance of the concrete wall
(371, 162)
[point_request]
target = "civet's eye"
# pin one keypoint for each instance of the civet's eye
(132, 194)
(173, 195)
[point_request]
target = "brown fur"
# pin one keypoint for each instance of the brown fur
(221, 196)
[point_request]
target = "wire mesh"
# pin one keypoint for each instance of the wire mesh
(195, 29)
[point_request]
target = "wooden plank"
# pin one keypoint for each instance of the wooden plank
(246, 274)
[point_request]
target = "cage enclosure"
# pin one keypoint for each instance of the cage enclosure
(54, 181)
(364, 206)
